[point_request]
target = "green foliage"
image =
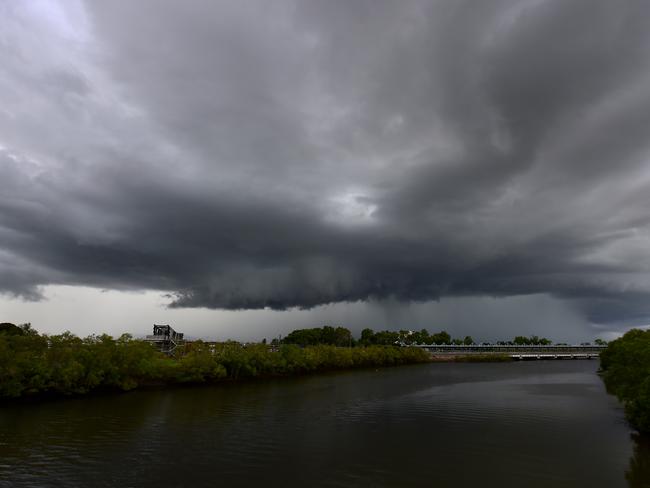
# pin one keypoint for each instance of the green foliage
(197, 366)
(66, 364)
(531, 341)
(10, 329)
(342, 337)
(339, 336)
(625, 366)
(387, 338)
(420, 337)
(441, 338)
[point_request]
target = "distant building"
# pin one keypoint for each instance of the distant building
(165, 338)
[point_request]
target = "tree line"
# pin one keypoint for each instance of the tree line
(341, 336)
(64, 364)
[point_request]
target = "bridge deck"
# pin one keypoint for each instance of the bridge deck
(517, 352)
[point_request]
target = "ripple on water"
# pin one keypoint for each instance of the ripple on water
(450, 424)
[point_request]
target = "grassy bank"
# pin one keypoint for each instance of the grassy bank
(32, 364)
(625, 369)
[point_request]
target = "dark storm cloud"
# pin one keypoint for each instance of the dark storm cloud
(244, 155)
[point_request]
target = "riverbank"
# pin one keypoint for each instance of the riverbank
(34, 365)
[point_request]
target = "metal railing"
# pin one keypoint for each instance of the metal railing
(524, 349)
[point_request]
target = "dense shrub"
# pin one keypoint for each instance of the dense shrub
(625, 366)
(66, 364)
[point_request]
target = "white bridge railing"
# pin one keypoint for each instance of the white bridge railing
(517, 351)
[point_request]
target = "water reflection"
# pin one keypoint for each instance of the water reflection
(638, 474)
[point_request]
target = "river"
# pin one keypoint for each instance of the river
(532, 424)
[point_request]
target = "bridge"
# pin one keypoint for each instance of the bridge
(519, 352)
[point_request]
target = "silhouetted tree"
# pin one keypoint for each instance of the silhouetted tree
(441, 338)
(10, 329)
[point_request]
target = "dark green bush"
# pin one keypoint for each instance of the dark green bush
(625, 367)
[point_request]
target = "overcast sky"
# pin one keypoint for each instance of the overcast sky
(240, 168)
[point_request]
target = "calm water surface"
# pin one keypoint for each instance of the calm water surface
(530, 424)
